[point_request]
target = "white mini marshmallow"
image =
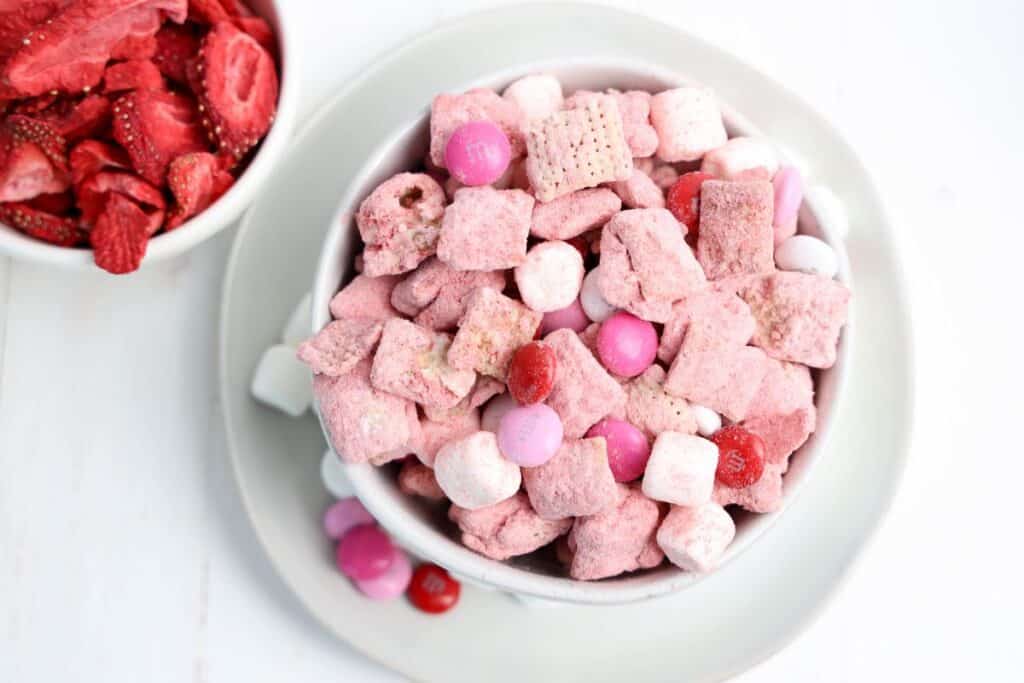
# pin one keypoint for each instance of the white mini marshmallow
(473, 473)
(742, 157)
(550, 277)
(300, 323)
(332, 472)
(830, 210)
(592, 300)
(283, 381)
(688, 123)
(708, 421)
(537, 95)
(807, 254)
(495, 410)
(681, 469)
(694, 539)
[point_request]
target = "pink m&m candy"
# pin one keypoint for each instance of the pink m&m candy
(572, 317)
(628, 448)
(365, 552)
(477, 153)
(343, 515)
(789, 193)
(530, 435)
(626, 344)
(391, 583)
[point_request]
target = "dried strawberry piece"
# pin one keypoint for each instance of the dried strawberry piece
(32, 160)
(40, 224)
(35, 105)
(90, 117)
(197, 181)
(238, 88)
(207, 11)
(155, 127)
(237, 8)
(260, 30)
(41, 133)
(175, 46)
(120, 236)
(95, 190)
(58, 204)
(70, 51)
(133, 75)
(18, 18)
(135, 47)
(92, 156)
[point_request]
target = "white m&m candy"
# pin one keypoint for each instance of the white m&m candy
(807, 254)
(594, 304)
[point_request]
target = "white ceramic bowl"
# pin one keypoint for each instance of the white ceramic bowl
(415, 525)
(225, 210)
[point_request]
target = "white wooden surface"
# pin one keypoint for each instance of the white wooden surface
(124, 552)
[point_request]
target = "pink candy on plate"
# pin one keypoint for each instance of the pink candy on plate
(392, 583)
(344, 515)
(365, 552)
(626, 344)
(477, 153)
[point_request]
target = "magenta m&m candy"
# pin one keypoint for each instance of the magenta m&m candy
(628, 448)
(477, 153)
(626, 344)
(530, 435)
(365, 552)
(344, 515)
(572, 317)
(392, 583)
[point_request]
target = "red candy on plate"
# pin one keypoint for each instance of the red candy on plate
(741, 455)
(531, 375)
(433, 590)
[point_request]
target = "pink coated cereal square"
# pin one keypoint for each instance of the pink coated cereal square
(435, 293)
(485, 229)
(411, 362)
(493, 327)
(653, 411)
(362, 422)
(688, 123)
(574, 214)
(764, 495)
(436, 433)
(799, 316)
(783, 434)
(722, 315)
(576, 482)
(506, 529)
(619, 539)
(736, 234)
(340, 345)
(483, 391)
(576, 149)
(448, 112)
(416, 479)
(635, 109)
(583, 391)
(365, 297)
(639, 192)
(786, 387)
(400, 222)
(646, 265)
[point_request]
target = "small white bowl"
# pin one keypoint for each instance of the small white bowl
(225, 210)
(415, 525)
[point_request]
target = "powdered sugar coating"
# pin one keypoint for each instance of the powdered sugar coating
(507, 529)
(485, 229)
(619, 539)
(412, 362)
(340, 345)
(736, 235)
(574, 214)
(576, 482)
(493, 327)
(400, 222)
(584, 392)
(448, 112)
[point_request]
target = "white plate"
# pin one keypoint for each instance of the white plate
(723, 625)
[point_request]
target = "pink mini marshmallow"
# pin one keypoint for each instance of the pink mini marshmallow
(736, 236)
(764, 495)
(493, 327)
(536, 95)
(694, 539)
(411, 362)
(652, 411)
(574, 214)
(620, 539)
(550, 277)
(576, 482)
(400, 222)
(416, 479)
(506, 529)
(583, 392)
(473, 473)
(366, 297)
(646, 265)
(436, 433)
(639, 192)
(485, 229)
(340, 345)
(688, 123)
(681, 469)
(742, 158)
(721, 315)
(448, 112)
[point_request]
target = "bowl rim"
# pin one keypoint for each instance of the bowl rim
(424, 539)
(223, 212)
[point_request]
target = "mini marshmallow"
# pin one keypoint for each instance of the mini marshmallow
(473, 473)
(593, 302)
(829, 209)
(493, 327)
(742, 158)
(736, 234)
(332, 473)
(536, 95)
(400, 223)
(574, 214)
(681, 469)
(619, 539)
(300, 322)
(550, 277)
(694, 539)
(708, 421)
(282, 381)
(411, 362)
(448, 112)
(418, 480)
(340, 345)
(639, 192)
(576, 482)
(506, 529)
(807, 254)
(485, 229)
(688, 123)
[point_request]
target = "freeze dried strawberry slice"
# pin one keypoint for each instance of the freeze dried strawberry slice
(120, 236)
(238, 88)
(42, 225)
(42, 134)
(175, 46)
(58, 204)
(155, 127)
(32, 160)
(70, 52)
(260, 30)
(90, 117)
(92, 156)
(95, 191)
(133, 75)
(35, 105)
(19, 17)
(197, 181)
(135, 47)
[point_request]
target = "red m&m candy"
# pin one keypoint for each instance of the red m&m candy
(433, 590)
(741, 456)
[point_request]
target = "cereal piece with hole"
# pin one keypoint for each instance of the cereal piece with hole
(721, 314)
(416, 479)
(764, 495)
(340, 345)
(681, 469)
(493, 327)
(474, 474)
(584, 392)
(365, 297)
(507, 529)
(688, 123)
(645, 263)
(485, 229)
(448, 112)
(694, 539)
(411, 362)
(639, 192)
(620, 539)
(576, 149)
(400, 222)
(550, 277)
(576, 482)
(742, 158)
(435, 293)
(652, 411)
(436, 433)
(736, 234)
(799, 316)
(573, 214)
